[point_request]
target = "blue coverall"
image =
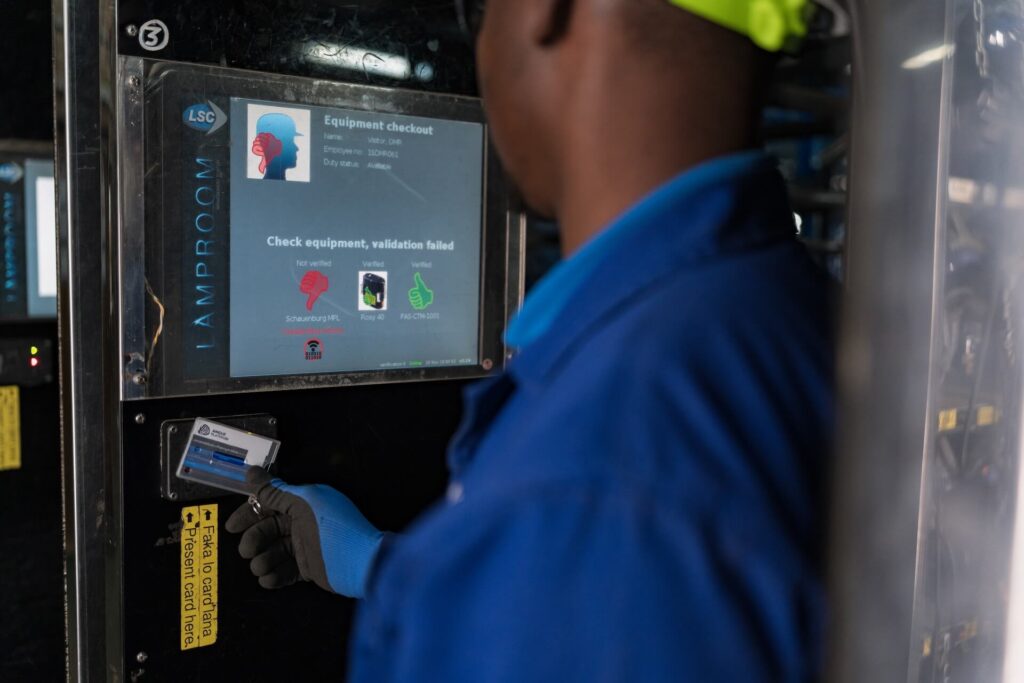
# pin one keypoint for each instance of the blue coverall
(638, 497)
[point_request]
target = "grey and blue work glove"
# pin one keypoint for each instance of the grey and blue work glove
(310, 533)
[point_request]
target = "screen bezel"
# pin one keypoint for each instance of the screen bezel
(146, 282)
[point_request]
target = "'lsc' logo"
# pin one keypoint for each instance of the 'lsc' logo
(205, 117)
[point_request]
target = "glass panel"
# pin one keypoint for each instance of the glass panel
(963, 586)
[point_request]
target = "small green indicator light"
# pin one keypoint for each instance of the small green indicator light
(34, 350)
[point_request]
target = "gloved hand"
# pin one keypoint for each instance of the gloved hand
(312, 533)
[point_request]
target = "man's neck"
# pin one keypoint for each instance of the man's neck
(618, 153)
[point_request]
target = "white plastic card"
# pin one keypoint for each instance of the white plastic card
(218, 455)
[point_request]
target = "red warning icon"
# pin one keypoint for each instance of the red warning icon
(314, 283)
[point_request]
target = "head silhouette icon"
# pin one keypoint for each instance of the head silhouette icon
(275, 145)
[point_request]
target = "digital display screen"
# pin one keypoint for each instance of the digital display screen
(29, 227)
(40, 211)
(355, 240)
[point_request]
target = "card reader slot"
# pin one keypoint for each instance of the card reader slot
(177, 438)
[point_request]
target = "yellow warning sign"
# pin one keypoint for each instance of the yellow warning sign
(198, 576)
(947, 420)
(10, 429)
(987, 416)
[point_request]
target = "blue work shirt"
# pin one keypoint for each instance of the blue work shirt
(638, 497)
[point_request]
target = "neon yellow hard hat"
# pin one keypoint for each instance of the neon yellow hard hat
(771, 24)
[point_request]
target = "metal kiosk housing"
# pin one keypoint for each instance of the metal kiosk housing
(122, 407)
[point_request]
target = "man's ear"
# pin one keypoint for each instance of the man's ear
(554, 17)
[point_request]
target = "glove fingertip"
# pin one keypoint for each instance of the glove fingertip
(274, 581)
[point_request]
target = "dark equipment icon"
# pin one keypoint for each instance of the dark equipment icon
(314, 350)
(373, 290)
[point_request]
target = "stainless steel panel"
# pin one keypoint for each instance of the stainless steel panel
(886, 336)
(83, 58)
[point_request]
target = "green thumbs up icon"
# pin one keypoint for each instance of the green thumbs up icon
(419, 296)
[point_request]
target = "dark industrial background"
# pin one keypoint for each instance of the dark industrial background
(26, 70)
(31, 572)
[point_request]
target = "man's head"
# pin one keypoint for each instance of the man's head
(563, 78)
(275, 143)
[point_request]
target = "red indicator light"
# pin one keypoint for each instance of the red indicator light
(34, 362)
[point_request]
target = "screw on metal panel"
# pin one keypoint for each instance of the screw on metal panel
(173, 430)
(140, 419)
(141, 657)
(424, 71)
(132, 30)
(139, 378)
(272, 421)
(172, 495)
(487, 364)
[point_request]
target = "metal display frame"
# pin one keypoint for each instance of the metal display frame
(28, 148)
(501, 251)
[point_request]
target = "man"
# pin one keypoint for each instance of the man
(637, 497)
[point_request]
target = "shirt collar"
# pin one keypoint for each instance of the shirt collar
(727, 204)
